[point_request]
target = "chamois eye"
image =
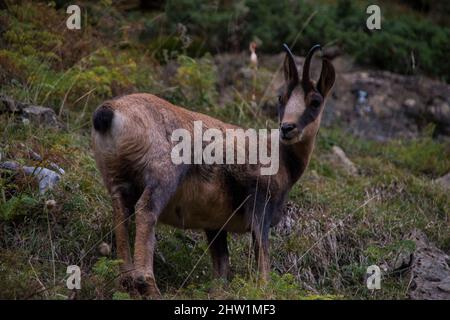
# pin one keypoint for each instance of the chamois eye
(315, 103)
(280, 99)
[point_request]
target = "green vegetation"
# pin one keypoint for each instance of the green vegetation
(335, 238)
(196, 80)
(403, 198)
(233, 24)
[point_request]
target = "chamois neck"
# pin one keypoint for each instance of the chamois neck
(296, 156)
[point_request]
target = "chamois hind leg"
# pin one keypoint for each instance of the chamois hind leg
(144, 245)
(121, 215)
(148, 209)
(217, 241)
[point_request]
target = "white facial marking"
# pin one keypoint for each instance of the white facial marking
(294, 107)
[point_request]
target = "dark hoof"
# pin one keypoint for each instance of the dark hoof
(126, 281)
(146, 286)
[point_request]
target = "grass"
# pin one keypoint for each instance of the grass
(341, 225)
(330, 244)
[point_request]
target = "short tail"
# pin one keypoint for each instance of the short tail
(102, 118)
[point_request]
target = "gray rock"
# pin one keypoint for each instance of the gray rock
(445, 285)
(57, 168)
(35, 156)
(403, 261)
(8, 104)
(47, 178)
(444, 181)
(430, 271)
(10, 165)
(401, 106)
(40, 115)
(344, 161)
(29, 113)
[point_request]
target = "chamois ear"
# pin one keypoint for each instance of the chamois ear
(290, 70)
(327, 77)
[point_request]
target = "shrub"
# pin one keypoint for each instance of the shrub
(214, 21)
(196, 80)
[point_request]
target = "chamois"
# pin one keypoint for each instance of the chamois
(132, 146)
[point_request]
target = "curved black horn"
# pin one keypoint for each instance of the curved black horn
(288, 51)
(306, 81)
(290, 70)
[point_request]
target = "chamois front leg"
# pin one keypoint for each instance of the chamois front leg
(120, 217)
(217, 241)
(260, 228)
(261, 249)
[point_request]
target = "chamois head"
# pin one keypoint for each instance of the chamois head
(302, 101)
